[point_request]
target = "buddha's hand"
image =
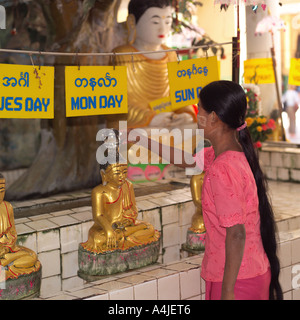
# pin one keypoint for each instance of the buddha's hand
(180, 119)
(3, 239)
(111, 240)
(3, 251)
(163, 119)
(171, 119)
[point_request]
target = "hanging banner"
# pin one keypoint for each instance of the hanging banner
(259, 71)
(26, 92)
(188, 77)
(99, 90)
(294, 76)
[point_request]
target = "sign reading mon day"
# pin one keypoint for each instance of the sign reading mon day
(99, 90)
(188, 77)
(26, 92)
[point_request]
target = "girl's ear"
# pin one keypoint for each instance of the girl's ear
(213, 118)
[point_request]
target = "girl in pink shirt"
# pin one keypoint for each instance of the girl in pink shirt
(240, 260)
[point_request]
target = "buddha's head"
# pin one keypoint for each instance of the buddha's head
(2, 188)
(151, 20)
(114, 174)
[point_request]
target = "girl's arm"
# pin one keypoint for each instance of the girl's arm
(234, 251)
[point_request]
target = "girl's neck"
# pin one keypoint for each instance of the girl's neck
(225, 142)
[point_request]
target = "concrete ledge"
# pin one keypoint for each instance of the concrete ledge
(281, 163)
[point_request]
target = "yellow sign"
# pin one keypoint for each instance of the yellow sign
(259, 71)
(99, 90)
(294, 76)
(26, 92)
(188, 77)
(161, 105)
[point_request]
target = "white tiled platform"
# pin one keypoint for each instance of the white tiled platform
(55, 237)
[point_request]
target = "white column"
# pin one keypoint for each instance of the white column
(259, 47)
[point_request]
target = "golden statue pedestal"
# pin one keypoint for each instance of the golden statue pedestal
(195, 242)
(93, 266)
(25, 287)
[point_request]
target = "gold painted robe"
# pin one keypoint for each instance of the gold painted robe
(17, 260)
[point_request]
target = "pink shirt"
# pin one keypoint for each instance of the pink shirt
(229, 197)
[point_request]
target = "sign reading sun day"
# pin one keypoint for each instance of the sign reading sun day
(188, 77)
(95, 90)
(26, 92)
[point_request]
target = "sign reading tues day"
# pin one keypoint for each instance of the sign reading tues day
(188, 77)
(26, 92)
(96, 90)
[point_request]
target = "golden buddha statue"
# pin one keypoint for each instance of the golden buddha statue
(195, 237)
(15, 260)
(149, 23)
(196, 190)
(115, 212)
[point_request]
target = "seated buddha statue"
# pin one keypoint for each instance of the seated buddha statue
(196, 191)
(15, 260)
(115, 214)
(149, 23)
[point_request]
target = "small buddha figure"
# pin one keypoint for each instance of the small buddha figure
(196, 190)
(149, 23)
(115, 214)
(195, 239)
(14, 259)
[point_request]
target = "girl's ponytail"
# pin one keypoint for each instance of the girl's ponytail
(267, 222)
